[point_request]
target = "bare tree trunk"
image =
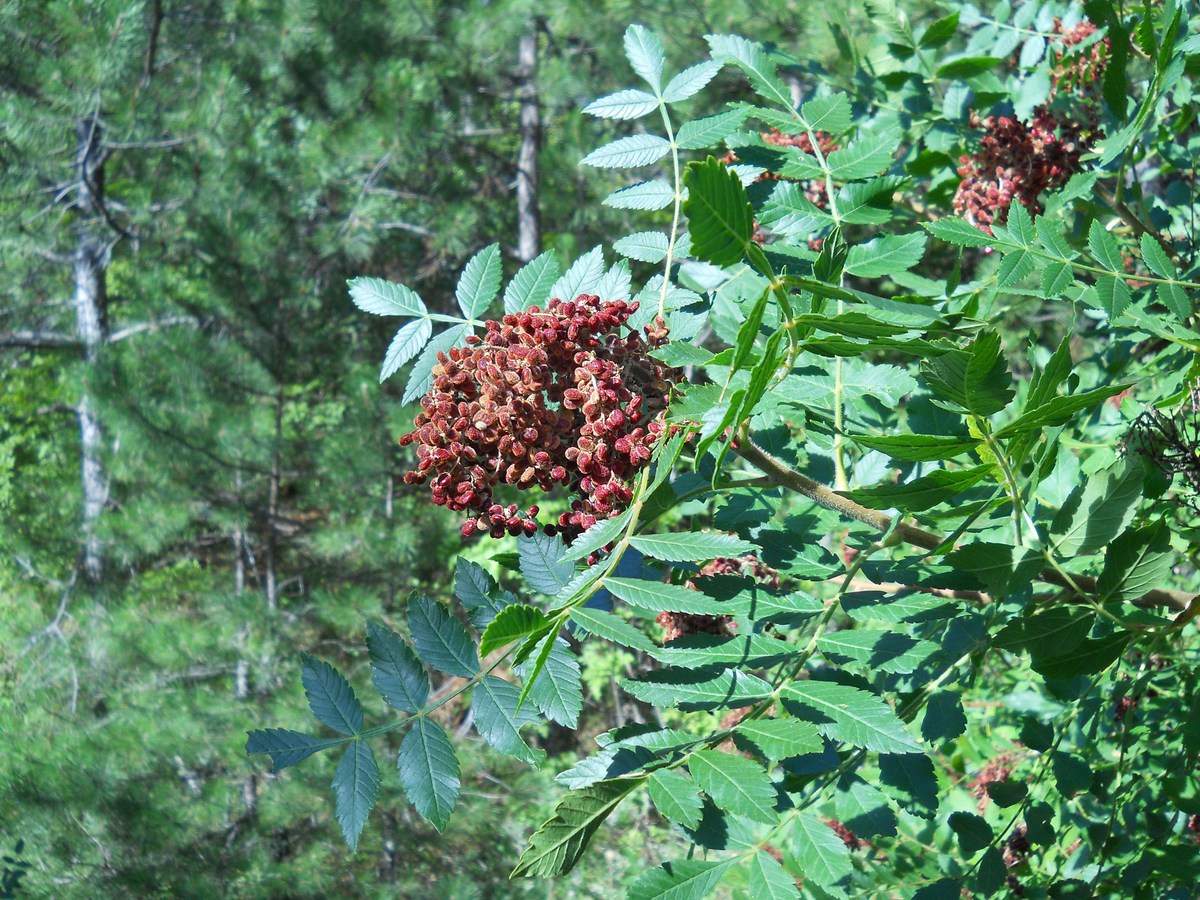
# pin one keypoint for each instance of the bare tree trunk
(529, 236)
(272, 575)
(91, 326)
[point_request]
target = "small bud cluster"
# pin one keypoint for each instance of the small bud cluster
(999, 769)
(1080, 72)
(1016, 161)
(849, 838)
(815, 190)
(678, 624)
(544, 398)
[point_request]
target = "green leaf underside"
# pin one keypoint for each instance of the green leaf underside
(531, 285)
(480, 282)
(355, 787)
(557, 846)
(543, 563)
(656, 597)
(440, 640)
(429, 771)
(611, 628)
(395, 670)
(383, 298)
(499, 721)
(285, 747)
(557, 691)
(858, 718)
(408, 342)
(330, 696)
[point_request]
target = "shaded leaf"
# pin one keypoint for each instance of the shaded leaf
(675, 796)
(285, 747)
(498, 719)
(330, 696)
(429, 771)
(355, 787)
(557, 846)
(395, 670)
(440, 639)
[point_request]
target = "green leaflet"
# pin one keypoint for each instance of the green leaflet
(720, 219)
(629, 152)
(531, 285)
(975, 379)
(870, 651)
(820, 854)
(685, 879)
(918, 447)
(694, 546)
(428, 771)
(646, 195)
(440, 640)
(395, 670)
(408, 342)
(858, 718)
(1136, 562)
(285, 747)
(556, 690)
(921, 493)
(515, 622)
(611, 628)
(383, 298)
(885, 255)
(690, 81)
(330, 696)
(479, 283)
(909, 779)
(780, 738)
(769, 880)
(557, 846)
(1098, 509)
(656, 597)
(355, 787)
(864, 810)
(735, 784)
(699, 650)
(499, 718)
(627, 104)
(644, 51)
(675, 796)
(582, 277)
(543, 562)
(691, 689)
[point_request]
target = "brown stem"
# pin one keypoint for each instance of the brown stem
(789, 478)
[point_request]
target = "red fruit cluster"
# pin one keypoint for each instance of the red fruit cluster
(544, 398)
(1016, 161)
(678, 624)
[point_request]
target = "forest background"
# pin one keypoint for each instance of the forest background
(199, 476)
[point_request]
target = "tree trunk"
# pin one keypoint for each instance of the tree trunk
(91, 326)
(272, 575)
(529, 236)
